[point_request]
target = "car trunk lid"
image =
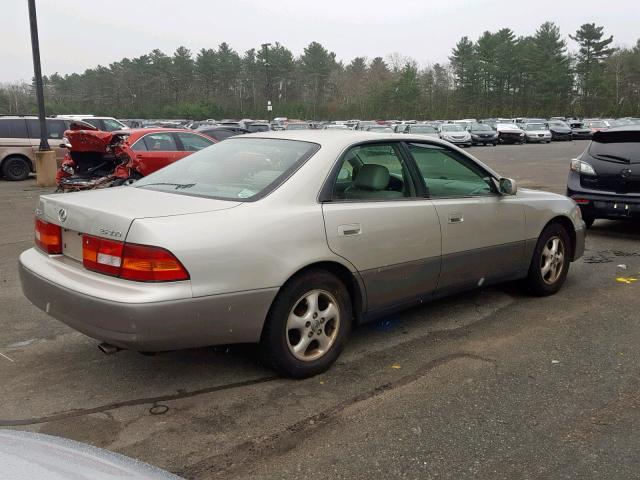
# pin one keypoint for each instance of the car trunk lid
(108, 213)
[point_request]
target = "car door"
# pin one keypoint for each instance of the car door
(483, 232)
(154, 151)
(377, 220)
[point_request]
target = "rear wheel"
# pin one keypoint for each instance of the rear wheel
(550, 263)
(308, 325)
(16, 168)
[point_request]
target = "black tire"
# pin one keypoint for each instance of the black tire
(276, 338)
(15, 169)
(535, 281)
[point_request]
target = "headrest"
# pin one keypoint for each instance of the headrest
(372, 177)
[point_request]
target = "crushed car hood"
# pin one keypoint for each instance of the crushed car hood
(109, 212)
(92, 140)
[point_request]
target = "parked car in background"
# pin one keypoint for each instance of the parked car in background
(258, 127)
(335, 126)
(297, 126)
(30, 456)
(579, 131)
(559, 130)
(482, 134)
(536, 133)
(20, 140)
(363, 124)
(378, 128)
(454, 133)
(596, 125)
(373, 224)
(220, 132)
(510, 133)
(106, 124)
(605, 180)
(422, 129)
(98, 159)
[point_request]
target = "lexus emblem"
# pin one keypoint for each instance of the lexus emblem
(62, 215)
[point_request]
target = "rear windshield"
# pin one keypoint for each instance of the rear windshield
(239, 169)
(622, 146)
(422, 129)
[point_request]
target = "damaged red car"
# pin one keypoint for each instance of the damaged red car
(97, 159)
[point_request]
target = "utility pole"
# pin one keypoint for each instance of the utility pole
(265, 47)
(45, 157)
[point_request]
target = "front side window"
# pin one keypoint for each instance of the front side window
(160, 142)
(373, 172)
(193, 143)
(449, 174)
(96, 122)
(238, 169)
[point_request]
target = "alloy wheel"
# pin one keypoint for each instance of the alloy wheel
(313, 325)
(552, 260)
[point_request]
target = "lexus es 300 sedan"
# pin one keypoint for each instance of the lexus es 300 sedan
(289, 239)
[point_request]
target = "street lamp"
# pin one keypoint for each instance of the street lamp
(45, 157)
(37, 73)
(265, 47)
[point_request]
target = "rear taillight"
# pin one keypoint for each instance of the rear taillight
(141, 263)
(48, 237)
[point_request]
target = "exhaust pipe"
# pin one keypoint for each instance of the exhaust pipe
(108, 349)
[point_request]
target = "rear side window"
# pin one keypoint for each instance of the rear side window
(219, 134)
(193, 143)
(13, 128)
(111, 125)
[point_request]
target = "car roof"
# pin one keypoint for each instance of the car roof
(339, 138)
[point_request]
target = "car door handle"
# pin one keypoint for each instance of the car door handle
(349, 229)
(456, 218)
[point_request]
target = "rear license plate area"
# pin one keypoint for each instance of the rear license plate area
(72, 244)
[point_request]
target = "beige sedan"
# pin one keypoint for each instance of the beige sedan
(290, 239)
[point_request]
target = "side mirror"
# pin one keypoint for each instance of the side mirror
(507, 186)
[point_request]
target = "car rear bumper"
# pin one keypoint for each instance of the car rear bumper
(153, 325)
(605, 205)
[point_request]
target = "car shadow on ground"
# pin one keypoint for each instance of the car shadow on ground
(616, 229)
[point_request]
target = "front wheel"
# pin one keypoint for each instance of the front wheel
(308, 325)
(550, 263)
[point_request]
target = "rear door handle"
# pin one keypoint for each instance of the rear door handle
(456, 218)
(349, 229)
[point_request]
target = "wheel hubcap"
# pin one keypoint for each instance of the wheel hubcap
(313, 325)
(552, 260)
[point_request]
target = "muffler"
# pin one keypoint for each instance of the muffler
(108, 349)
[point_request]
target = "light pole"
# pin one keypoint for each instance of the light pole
(265, 47)
(37, 74)
(45, 157)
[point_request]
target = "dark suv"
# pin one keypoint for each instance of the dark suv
(605, 180)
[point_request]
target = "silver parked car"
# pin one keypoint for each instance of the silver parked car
(290, 239)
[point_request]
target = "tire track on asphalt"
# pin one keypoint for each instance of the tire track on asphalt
(237, 458)
(132, 403)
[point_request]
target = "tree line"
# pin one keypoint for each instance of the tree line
(498, 74)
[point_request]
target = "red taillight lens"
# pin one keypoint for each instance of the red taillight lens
(581, 201)
(48, 237)
(141, 263)
(101, 255)
(151, 264)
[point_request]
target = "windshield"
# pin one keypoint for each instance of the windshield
(422, 129)
(508, 126)
(535, 126)
(452, 128)
(238, 169)
(479, 127)
(558, 123)
(297, 126)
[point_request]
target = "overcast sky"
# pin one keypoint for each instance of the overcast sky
(76, 35)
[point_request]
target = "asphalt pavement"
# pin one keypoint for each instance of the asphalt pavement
(490, 384)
